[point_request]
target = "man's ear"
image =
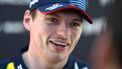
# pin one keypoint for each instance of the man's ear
(27, 20)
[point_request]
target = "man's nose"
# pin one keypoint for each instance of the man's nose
(63, 31)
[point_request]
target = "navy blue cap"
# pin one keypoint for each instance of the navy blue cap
(50, 6)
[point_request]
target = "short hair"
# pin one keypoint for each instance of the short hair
(33, 14)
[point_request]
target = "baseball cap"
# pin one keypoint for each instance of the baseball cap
(50, 6)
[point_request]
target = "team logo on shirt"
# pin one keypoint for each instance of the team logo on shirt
(10, 65)
(19, 66)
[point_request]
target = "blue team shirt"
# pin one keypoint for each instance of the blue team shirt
(18, 63)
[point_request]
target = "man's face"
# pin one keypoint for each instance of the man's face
(55, 35)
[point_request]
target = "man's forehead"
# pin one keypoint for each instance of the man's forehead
(59, 15)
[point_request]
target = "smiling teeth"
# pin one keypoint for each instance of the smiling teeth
(61, 43)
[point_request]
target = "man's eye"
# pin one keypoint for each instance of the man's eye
(52, 20)
(75, 24)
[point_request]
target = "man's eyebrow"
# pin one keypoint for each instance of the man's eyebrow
(78, 19)
(53, 14)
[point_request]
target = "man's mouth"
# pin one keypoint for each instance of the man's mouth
(59, 46)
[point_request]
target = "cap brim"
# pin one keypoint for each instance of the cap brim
(68, 6)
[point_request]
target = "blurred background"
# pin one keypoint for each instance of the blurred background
(13, 36)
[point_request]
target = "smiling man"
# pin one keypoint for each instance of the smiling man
(55, 27)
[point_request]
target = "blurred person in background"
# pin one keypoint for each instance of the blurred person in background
(55, 27)
(107, 50)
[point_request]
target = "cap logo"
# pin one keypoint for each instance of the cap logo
(54, 6)
(33, 2)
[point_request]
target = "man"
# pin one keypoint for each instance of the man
(55, 27)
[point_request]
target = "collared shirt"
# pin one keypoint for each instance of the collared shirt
(18, 63)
